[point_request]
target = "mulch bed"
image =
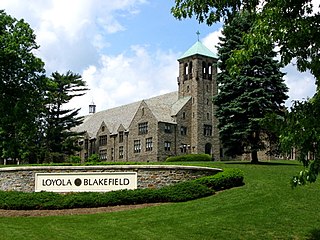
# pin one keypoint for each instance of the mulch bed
(74, 211)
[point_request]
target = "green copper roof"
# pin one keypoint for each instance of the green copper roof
(198, 48)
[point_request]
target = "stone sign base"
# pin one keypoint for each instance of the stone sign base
(147, 176)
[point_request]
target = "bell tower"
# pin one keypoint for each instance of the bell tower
(197, 79)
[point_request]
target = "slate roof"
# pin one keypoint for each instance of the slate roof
(163, 108)
(198, 48)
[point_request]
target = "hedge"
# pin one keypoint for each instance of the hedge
(229, 178)
(179, 192)
(190, 158)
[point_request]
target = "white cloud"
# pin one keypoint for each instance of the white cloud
(129, 76)
(211, 40)
(301, 85)
(72, 33)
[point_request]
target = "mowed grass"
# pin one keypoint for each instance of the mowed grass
(265, 208)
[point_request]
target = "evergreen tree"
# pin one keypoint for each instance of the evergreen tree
(22, 85)
(59, 136)
(244, 99)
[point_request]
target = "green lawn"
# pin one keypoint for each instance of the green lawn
(265, 208)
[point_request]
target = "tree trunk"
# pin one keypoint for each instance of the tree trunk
(254, 157)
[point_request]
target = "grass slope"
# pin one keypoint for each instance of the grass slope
(265, 208)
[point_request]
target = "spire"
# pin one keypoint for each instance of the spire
(198, 33)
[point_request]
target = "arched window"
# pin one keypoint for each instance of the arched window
(204, 68)
(190, 70)
(210, 69)
(186, 69)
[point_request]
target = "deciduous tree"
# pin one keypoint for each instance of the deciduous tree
(294, 26)
(22, 84)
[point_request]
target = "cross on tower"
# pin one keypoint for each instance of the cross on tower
(198, 33)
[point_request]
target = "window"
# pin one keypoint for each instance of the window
(137, 146)
(167, 146)
(208, 116)
(204, 68)
(186, 69)
(121, 152)
(183, 130)
(121, 137)
(167, 128)
(149, 144)
(102, 129)
(207, 130)
(103, 140)
(103, 154)
(143, 128)
(183, 115)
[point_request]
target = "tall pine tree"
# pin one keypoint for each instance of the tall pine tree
(244, 99)
(59, 137)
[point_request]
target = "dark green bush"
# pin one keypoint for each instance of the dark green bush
(190, 158)
(74, 159)
(94, 158)
(179, 192)
(184, 191)
(229, 178)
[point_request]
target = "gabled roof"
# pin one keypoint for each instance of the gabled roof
(161, 106)
(200, 49)
(111, 117)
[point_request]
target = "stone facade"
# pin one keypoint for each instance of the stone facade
(172, 124)
(23, 178)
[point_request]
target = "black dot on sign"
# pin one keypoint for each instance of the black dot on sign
(77, 182)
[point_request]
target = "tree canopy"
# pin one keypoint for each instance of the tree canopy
(22, 86)
(32, 120)
(294, 26)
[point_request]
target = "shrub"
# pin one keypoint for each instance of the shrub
(94, 158)
(189, 158)
(184, 191)
(74, 159)
(179, 192)
(229, 178)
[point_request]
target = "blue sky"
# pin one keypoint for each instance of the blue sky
(125, 50)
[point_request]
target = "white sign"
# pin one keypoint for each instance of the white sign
(85, 182)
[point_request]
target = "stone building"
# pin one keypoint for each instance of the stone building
(171, 124)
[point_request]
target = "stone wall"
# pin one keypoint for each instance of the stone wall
(149, 176)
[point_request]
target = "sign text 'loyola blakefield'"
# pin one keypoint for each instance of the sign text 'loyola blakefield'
(85, 182)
